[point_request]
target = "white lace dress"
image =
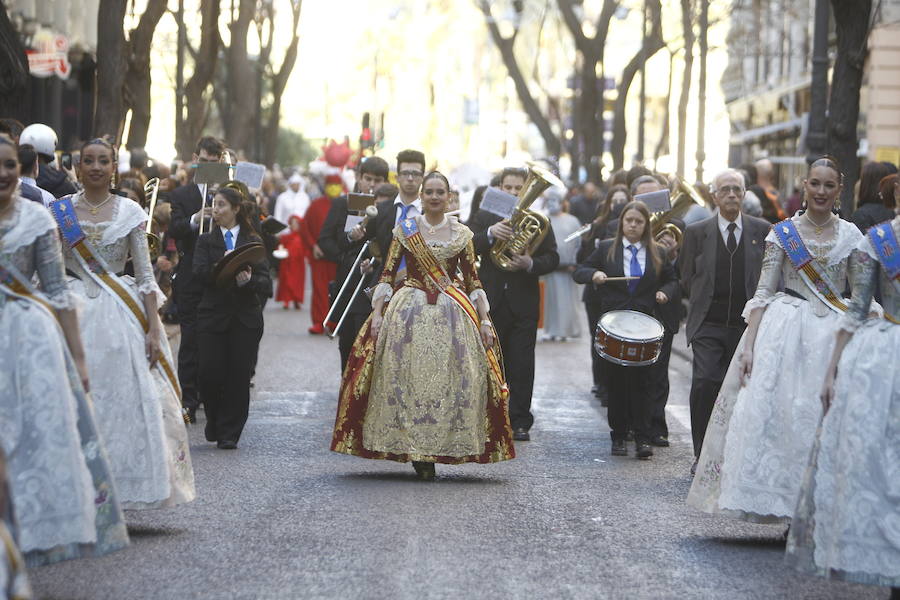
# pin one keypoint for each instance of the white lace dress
(138, 412)
(759, 436)
(64, 501)
(847, 523)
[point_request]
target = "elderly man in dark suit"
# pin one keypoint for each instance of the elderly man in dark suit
(186, 202)
(514, 297)
(720, 262)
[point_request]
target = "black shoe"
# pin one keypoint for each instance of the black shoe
(520, 434)
(210, 434)
(643, 451)
(660, 440)
(595, 390)
(694, 466)
(227, 445)
(190, 414)
(425, 470)
(618, 448)
(629, 436)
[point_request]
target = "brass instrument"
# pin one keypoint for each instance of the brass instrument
(529, 227)
(151, 188)
(371, 213)
(685, 197)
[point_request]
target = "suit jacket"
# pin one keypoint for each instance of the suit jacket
(517, 289)
(185, 201)
(381, 232)
(698, 263)
(338, 248)
(615, 295)
(219, 308)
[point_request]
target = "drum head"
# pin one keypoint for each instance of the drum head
(631, 325)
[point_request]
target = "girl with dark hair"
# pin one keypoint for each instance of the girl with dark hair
(870, 208)
(135, 391)
(399, 400)
(60, 480)
(229, 319)
(631, 253)
(764, 422)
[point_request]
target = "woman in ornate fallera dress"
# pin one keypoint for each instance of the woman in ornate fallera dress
(135, 390)
(63, 499)
(847, 523)
(424, 382)
(764, 421)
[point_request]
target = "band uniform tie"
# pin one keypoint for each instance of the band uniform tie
(731, 244)
(635, 269)
(404, 210)
(229, 240)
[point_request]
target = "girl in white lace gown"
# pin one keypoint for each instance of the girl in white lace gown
(137, 406)
(847, 523)
(63, 499)
(765, 418)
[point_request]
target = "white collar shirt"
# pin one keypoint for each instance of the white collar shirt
(415, 208)
(46, 196)
(626, 256)
(234, 232)
(723, 227)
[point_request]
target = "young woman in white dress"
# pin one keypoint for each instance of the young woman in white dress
(61, 491)
(847, 523)
(136, 401)
(765, 418)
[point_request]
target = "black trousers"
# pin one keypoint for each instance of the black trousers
(594, 312)
(517, 337)
(659, 388)
(713, 347)
(629, 401)
(186, 301)
(347, 335)
(226, 363)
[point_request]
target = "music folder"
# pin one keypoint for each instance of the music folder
(211, 172)
(656, 201)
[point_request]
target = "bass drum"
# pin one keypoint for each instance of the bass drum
(628, 338)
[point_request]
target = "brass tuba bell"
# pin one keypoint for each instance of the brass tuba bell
(529, 227)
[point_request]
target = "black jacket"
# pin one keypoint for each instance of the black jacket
(185, 201)
(340, 249)
(871, 214)
(221, 307)
(517, 289)
(614, 295)
(54, 181)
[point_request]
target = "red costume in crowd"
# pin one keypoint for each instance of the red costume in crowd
(292, 270)
(323, 271)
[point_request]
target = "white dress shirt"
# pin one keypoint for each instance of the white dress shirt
(415, 208)
(723, 228)
(234, 232)
(45, 195)
(626, 256)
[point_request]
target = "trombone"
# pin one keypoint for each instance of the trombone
(371, 212)
(151, 188)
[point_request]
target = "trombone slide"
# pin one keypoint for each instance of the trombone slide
(340, 293)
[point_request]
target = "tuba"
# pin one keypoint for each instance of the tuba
(685, 197)
(529, 227)
(151, 188)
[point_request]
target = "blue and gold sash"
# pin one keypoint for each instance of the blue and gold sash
(887, 248)
(63, 212)
(802, 260)
(432, 268)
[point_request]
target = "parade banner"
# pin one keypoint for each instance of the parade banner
(803, 263)
(63, 212)
(438, 276)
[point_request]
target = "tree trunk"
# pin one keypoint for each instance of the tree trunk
(654, 43)
(687, 25)
(852, 28)
(663, 143)
(188, 131)
(243, 81)
(279, 82)
(14, 89)
(109, 110)
(701, 98)
(138, 84)
(529, 104)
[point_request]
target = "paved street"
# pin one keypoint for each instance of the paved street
(282, 517)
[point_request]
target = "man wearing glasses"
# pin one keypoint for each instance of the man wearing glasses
(720, 260)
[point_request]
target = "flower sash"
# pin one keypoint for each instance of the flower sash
(430, 266)
(802, 261)
(63, 212)
(884, 242)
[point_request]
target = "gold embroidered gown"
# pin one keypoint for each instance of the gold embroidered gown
(423, 391)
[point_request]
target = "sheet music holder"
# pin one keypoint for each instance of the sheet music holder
(656, 201)
(211, 172)
(357, 203)
(250, 174)
(499, 203)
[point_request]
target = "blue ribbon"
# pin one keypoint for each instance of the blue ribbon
(792, 243)
(887, 248)
(63, 212)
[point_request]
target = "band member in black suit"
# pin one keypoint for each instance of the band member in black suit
(343, 247)
(514, 297)
(634, 253)
(721, 258)
(186, 204)
(229, 320)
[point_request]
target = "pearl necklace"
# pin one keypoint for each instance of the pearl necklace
(819, 228)
(95, 208)
(433, 228)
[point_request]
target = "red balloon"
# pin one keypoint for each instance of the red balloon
(337, 155)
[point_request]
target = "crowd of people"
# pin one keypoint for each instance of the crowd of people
(791, 313)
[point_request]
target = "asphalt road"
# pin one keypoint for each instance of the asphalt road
(282, 517)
